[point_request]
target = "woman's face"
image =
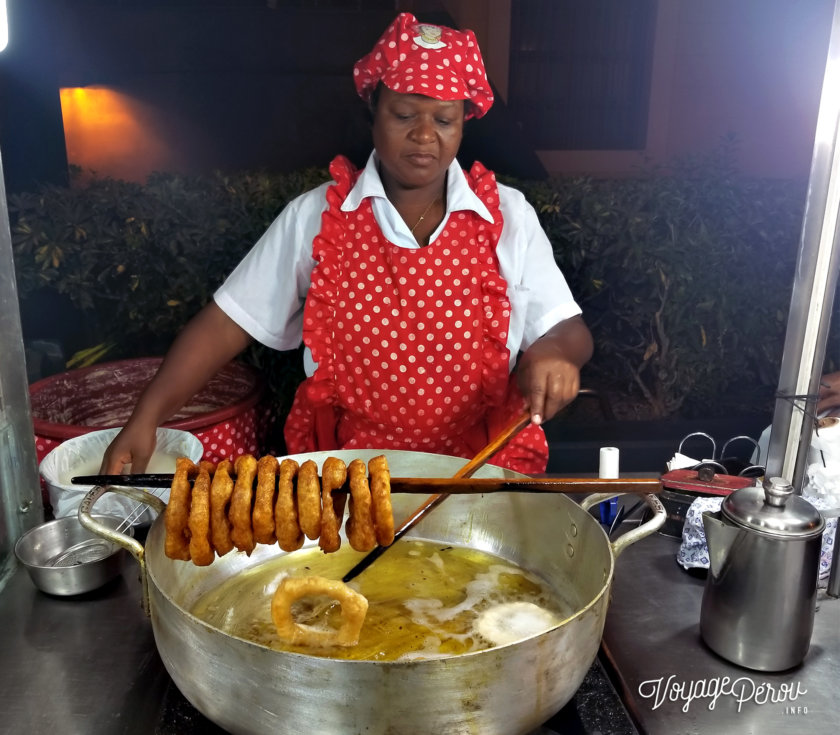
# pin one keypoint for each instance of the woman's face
(416, 137)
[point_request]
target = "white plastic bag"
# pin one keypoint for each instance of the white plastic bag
(83, 454)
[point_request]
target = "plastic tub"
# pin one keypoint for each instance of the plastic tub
(224, 415)
(82, 455)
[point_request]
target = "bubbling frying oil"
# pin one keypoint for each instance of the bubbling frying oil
(425, 600)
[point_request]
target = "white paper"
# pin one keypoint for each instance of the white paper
(608, 466)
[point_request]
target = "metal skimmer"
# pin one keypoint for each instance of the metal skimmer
(84, 552)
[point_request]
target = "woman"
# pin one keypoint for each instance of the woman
(413, 284)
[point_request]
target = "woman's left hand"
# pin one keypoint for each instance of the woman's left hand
(548, 373)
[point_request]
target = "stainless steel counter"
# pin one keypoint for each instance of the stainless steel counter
(653, 641)
(77, 666)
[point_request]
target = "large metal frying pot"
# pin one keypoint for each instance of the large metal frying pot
(248, 688)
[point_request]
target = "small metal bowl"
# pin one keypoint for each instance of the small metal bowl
(64, 558)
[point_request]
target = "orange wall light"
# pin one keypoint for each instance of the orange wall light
(108, 133)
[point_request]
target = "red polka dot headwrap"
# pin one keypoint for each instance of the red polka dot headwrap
(435, 61)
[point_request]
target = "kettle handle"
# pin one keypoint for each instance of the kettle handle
(646, 529)
(705, 436)
(756, 447)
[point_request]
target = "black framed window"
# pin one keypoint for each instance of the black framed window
(580, 72)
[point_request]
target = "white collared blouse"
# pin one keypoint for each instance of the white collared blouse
(266, 292)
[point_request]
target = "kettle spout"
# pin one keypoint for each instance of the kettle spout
(720, 538)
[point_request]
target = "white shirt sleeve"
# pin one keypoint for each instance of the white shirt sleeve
(265, 293)
(539, 294)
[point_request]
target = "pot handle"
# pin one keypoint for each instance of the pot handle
(646, 529)
(132, 545)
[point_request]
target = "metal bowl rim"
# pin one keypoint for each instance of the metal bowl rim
(65, 520)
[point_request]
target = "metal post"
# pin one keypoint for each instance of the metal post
(814, 285)
(20, 490)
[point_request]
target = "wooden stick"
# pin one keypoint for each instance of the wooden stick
(476, 486)
(442, 485)
(495, 445)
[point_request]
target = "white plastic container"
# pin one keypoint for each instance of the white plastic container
(82, 455)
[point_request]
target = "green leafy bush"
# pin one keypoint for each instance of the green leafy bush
(140, 260)
(684, 274)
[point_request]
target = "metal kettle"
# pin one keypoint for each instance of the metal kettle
(760, 597)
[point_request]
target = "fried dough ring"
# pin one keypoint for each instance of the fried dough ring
(221, 490)
(177, 514)
(201, 551)
(333, 475)
(353, 610)
(215, 514)
(286, 526)
(360, 530)
(263, 515)
(309, 499)
(241, 532)
(380, 492)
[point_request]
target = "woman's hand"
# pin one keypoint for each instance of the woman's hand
(134, 445)
(548, 374)
(829, 400)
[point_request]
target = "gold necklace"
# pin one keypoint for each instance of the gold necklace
(423, 216)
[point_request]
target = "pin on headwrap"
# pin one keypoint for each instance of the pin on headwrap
(435, 61)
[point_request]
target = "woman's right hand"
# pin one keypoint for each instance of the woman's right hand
(209, 341)
(134, 445)
(829, 400)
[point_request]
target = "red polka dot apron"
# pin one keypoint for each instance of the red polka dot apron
(410, 343)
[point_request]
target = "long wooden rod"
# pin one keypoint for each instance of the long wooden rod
(468, 470)
(440, 485)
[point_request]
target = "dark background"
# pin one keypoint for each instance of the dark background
(263, 85)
